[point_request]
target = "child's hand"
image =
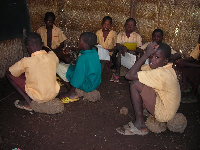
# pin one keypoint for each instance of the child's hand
(152, 48)
(124, 50)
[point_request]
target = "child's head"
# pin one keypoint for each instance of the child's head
(130, 25)
(106, 23)
(157, 36)
(49, 19)
(33, 42)
(87, 40)
(161, 57)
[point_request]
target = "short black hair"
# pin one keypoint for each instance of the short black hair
(49, 14)
(89, 38)
(107, 18)
(158, 30)
(130, 19)
(33, 38)
(166, 49)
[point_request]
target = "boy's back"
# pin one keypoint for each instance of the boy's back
(40, 72)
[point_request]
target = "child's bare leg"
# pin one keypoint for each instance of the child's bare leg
(67, 85)
(136, 88)
(19, 90)
(103, 62)
(118, 64)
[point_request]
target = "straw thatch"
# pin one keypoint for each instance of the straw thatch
(10, 52)
(179, 19)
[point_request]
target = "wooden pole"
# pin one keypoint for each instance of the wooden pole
(132, 8)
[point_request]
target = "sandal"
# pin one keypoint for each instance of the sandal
(131, 130)
(67, 100)
(114, 78)
(19, 104)
(129, 125)
(59, 81)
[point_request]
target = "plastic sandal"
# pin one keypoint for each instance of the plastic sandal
(67, 100)
(114, 78)
(59, 81)
(132, 130)
(20, 105)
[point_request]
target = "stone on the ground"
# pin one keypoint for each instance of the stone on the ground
(178, 123)
(154, 126)
(90, 96)
(80, 92)
(124, 111)
(51, 107)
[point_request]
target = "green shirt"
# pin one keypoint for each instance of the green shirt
(86, 74)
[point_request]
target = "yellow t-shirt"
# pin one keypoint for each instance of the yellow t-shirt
(134, 37)
(165, 83)
(57, 36)
(40, 72)
(110, 41)
(195, 52)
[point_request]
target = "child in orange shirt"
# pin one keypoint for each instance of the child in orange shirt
(155, 88)
(189, 67)
(39, 81)
(106, 38)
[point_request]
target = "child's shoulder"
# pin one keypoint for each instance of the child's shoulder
(99, 31)
(113, 32)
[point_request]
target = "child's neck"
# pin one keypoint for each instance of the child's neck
(128, 34)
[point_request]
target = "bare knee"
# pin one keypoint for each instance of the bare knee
(136, 85)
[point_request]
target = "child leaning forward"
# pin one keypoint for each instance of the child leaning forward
(155, 88)
(86, 73)
(34, 77)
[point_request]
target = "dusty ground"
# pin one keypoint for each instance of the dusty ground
(88, 126)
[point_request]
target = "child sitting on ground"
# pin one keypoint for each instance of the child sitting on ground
(189, 67)
(126, 36)
(106, 38)
(86, 73)
(52, 36)
(155, 88)
(157, 36)
(39, 82)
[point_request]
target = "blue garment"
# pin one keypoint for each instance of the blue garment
(86, 74)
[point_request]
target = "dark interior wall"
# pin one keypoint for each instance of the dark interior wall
(14, 17)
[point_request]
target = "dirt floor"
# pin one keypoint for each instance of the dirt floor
(86, 125)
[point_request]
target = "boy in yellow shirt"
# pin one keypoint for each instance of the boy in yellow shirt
(189, 67)
(106, 38)
(155, 88)
(52, 36)
(129, 35)
(39, 81)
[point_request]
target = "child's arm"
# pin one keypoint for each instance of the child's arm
(183, 63)
(132, 73)
(174, 57)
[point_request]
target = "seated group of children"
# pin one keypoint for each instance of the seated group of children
(155, 88)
